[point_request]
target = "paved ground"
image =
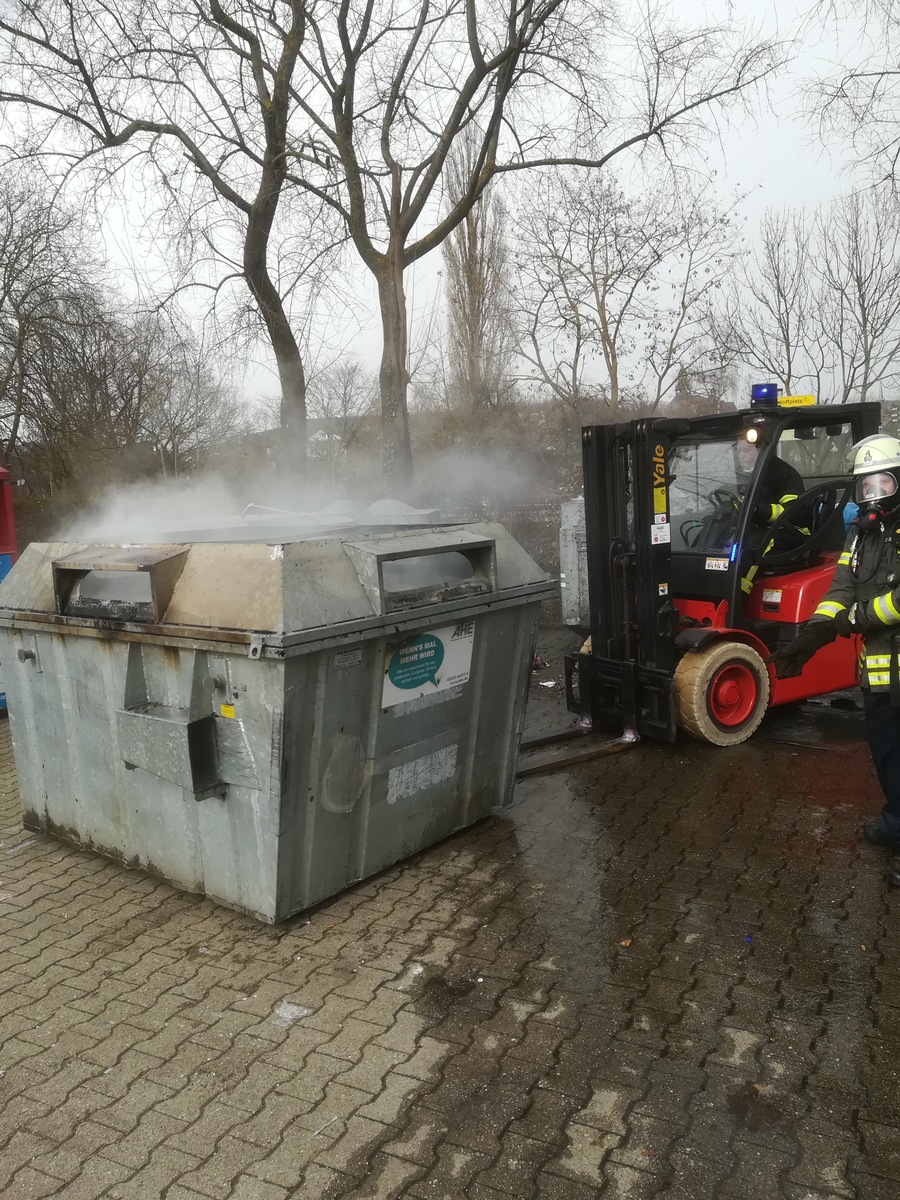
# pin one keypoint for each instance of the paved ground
(673, 972)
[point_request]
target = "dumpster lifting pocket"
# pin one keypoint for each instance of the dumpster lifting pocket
(167, 743)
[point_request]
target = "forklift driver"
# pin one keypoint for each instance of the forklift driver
(780, 484)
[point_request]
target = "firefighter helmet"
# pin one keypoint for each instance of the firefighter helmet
(880, 452)
(876, 465)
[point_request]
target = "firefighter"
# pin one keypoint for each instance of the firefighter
(864, 598)
(780, 485)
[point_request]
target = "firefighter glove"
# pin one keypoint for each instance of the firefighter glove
(790, 659)
(762, 515)
(848, 621)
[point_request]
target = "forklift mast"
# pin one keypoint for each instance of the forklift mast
(632, 619)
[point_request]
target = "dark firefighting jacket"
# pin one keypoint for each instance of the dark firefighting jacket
(781, 485)
(868, 576)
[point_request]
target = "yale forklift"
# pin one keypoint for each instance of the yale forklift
(690, 586)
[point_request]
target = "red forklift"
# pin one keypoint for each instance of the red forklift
(688, 594)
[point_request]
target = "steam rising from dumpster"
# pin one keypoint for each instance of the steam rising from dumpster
(273, 710)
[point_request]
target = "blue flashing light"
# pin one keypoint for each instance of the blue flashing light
(763, 394)
(734, 550)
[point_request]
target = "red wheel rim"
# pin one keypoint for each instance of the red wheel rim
(732, 695)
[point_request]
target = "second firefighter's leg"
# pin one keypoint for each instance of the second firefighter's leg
(883, 733)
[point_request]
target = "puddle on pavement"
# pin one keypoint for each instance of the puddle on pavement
(712, 913)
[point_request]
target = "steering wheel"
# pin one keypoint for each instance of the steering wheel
(821, 509)
(723, 498)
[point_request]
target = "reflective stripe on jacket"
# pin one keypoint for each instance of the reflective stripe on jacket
(867, 575)
(767, 514)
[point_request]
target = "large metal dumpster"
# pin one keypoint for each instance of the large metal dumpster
(267, 724)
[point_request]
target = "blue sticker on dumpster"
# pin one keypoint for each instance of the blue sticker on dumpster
(428, 664)
(417, 662)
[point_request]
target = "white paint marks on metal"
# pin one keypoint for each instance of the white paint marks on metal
(421, 773)
(286, 1014)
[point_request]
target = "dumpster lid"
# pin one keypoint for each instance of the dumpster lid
(320, 583)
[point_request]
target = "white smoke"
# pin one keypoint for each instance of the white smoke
(270, 506)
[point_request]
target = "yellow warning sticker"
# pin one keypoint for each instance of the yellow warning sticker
(795, 401)
(227, 710)
(659, 500)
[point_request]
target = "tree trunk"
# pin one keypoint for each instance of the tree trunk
(292, 446)
(394, 378)
(10, 446)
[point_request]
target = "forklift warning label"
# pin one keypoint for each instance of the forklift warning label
(427, 663)
(660, 533)
(717, 564)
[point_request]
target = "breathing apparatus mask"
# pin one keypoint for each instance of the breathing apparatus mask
(876, 467)
(876, 496)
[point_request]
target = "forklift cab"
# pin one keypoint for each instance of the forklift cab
(694, 578)
(777, 502)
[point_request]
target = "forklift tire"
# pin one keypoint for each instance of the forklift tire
(721, 692)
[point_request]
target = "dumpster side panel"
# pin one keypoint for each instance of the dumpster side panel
(370, 779)
(239, 834)
(325, 766)
(72, 776)
(100, 766)
(35, 692)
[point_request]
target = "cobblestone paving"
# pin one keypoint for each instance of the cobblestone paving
(669, 973)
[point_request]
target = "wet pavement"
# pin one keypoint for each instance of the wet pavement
(673, 972)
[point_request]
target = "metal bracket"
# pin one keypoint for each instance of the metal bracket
(257, 643)
(28, 653)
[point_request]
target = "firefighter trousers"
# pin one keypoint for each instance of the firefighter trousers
(883, 733)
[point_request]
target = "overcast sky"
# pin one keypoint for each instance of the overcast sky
(781, 155)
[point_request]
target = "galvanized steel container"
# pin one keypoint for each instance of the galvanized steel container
(267, 724)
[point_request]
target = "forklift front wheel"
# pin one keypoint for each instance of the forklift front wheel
(721, 692)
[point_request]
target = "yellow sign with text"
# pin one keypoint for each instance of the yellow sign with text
(795, 401)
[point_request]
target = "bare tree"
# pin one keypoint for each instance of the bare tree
(43, 271)
(701, 254)
(183, 408)
(119, 395)
(857, 265)
(613, 287)
(204, 94)
(816, 308)
(862, 99)
(768, 317)
(359, 105)
(341, 398)
(477, 292)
